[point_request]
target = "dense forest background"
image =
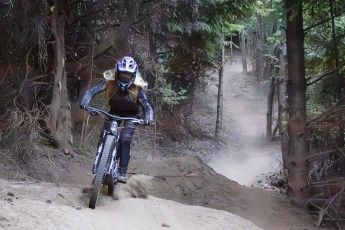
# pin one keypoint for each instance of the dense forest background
(53, 51)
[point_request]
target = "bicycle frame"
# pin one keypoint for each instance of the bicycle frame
(112, 131)
(106, 161)
(110, 175)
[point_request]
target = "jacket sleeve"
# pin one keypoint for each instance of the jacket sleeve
(146, 105)
(89, 94)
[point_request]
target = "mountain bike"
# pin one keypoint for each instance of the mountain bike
(106, 161)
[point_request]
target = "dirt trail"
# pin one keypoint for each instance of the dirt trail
(248, 155)
(47, 206)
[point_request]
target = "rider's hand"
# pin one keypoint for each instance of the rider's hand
(87, 108)
(84, 106)
(148, 122)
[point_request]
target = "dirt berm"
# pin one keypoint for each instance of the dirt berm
(31, 204)
(189, 181)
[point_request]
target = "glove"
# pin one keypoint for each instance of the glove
(148, 122)
(84, 106)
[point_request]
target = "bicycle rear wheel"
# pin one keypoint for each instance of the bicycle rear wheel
(96, 188)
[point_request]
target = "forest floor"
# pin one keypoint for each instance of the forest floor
(178, 193)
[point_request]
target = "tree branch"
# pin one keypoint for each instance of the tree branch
(21, 88)
(135, 29)
(115, 38)
(5, 75)
(323, 21)
(83, 17)
(137, 22)
(325, 74)
(336, 108)
(320, 154)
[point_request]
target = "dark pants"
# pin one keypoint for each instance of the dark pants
(125, 143)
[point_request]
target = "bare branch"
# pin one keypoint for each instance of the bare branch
(135, 29)
(320, 154)
(137, 22)
(84, 17)
(25, 78)
(341, 150)
(5, 75)
(327, 113)
(39, 77)
(323, 21)
(325, 74)
(336, 108)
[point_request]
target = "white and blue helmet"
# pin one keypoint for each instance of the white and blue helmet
(129, 67)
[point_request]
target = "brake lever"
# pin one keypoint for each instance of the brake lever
(139, 121)
(92, 111)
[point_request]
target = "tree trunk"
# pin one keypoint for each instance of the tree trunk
(341, 133)
(335, 47)
(219, 119)
(118, 39)
(298, 189)
(270, 97)
(339, 77)
(231, 50)
(59, 115)
(243, 51)
(260, 60)
(283, 115)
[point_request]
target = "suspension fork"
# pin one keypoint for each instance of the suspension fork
(99, 151)
(113, 167)
(114, 162)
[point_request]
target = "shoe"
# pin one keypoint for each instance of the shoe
(122, 177)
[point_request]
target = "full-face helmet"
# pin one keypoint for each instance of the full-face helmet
(126, 71)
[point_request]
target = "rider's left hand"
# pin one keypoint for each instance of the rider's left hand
(148, 122)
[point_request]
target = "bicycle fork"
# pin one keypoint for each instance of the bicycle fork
(99, 152)
(113, 166)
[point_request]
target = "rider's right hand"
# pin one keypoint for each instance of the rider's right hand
(84, 106)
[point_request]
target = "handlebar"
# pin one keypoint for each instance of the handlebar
(134, 120)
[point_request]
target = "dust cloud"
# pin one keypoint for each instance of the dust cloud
(137, 187)
(248, 155)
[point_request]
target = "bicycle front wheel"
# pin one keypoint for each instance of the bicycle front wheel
(96, 188)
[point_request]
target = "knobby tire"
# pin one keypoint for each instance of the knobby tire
(96, 188)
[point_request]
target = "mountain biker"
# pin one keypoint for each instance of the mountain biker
(125, 99)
